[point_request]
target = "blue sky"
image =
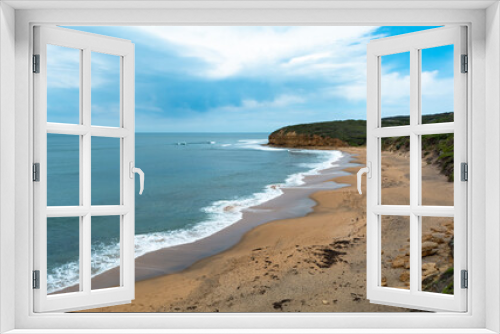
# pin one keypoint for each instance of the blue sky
(246, 79)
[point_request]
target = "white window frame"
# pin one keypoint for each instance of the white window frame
(484, 103)
(413, 44)
(86, 44)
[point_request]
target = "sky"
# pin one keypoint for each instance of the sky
(245, 79)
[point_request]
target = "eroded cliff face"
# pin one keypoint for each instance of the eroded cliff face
(293, 139)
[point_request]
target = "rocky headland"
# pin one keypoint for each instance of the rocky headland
(317, 263)
(301, 140)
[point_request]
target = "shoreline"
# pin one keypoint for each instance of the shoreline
(319, 148)
(314, 263)
(355, 157)
(295, 201)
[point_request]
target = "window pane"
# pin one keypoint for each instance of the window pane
(395, 251)
(105, 171)
(438, 169)
(437, 254)
(395, 176)
(63, 170)
(63, 84)
(395, 89)
(437, 84)
(63, 255)
(105, 251)
(105, 89)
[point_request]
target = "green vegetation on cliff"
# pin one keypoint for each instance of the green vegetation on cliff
(440, 283)
(436, 149)
(352, 132)
(426, 119)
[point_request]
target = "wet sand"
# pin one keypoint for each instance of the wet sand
(294, 202)
(314, 263)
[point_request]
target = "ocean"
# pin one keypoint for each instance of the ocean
(196, 185)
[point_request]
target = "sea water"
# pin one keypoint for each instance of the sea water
(196, 185)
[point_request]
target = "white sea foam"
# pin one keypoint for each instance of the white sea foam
(221, 214)
(258, 144)
(330, 158)
(63, 277)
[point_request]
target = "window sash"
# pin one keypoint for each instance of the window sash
(413, 298)
(85, 298)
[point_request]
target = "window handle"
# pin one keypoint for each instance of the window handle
(368, 171)
(141, 175)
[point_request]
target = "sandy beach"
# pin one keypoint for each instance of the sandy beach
(315, 263)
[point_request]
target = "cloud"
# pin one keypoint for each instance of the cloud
(395, 91)
(434, 85)
(258, 78)
(230, 51)
(278, 102)
(105, 71)
(63, 67)
(225, 120)
(148, 107)
(437, 93)
(395, 88)
(311, 58)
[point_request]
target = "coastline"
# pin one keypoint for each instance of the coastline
(314, 263)
(180, 289)
(295, 201)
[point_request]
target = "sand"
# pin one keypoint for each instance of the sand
(315, 263)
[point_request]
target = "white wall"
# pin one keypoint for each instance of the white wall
(23, 155)
(492, 164)
(7, 163)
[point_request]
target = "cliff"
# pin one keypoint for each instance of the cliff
(294, 139)
(331, 134)
(436, 149)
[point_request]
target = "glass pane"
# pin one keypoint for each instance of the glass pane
(63, 170)
(395, 89)
(105, 171)
(63, 84)
(437, 254)
(105, 89)
(395, 251)
(437, 84)
(105, 251)
(438, 169)
(395, 176)
(63, 255)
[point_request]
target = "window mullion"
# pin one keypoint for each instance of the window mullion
(127, 236)
(85, 166)
(414, 171)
